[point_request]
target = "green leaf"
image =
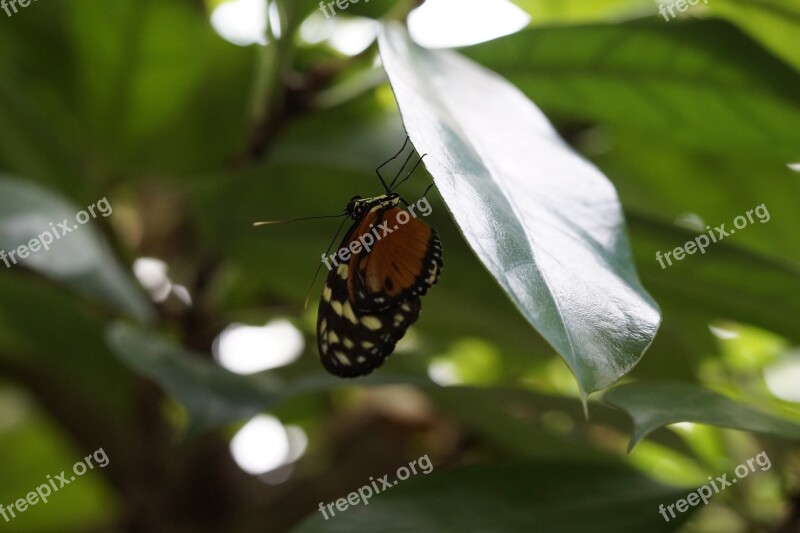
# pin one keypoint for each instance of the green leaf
(31, 138)
(521, 497)
(704, 83)
(161, 69)
(80, 259)
(776, 23)
(751, 277)
(727, 282)
(210, 394)
(62, 337)
(653, 175)
(544, 222)
(154, 56)
(536, 426)
(652, 405)
(577, 11)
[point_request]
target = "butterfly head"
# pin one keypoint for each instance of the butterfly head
(357, 205)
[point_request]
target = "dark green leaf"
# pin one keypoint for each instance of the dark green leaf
(523, 497)
(726, 282)
(211, 394)
(776, 23)
(537, 426)
(80, 259)
(678, 81)
(652, 405)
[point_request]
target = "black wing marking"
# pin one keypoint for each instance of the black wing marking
(353, 343)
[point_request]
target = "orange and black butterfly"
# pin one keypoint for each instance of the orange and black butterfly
(372, 294)
(387, 261)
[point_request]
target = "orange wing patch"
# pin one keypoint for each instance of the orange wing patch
(405, 261)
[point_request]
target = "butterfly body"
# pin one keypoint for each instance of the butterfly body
(386, 262)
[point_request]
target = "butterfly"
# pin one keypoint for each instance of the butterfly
(371, 299)
(386, 262)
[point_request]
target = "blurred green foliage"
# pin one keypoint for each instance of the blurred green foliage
(192, 138)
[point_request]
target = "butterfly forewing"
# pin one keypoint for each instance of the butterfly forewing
(405, 262)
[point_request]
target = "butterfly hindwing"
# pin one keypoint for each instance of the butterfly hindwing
(353, 343)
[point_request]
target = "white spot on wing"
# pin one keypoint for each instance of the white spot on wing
(349, 314)
(371, 322)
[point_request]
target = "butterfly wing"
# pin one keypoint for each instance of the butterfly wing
(353, 343)
(369, 302)
(403, 263)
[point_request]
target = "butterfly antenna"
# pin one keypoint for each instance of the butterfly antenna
(316, 274)
(378, 170)
(268, 222)
(410, 173)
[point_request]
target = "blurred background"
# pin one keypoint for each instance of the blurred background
(172, 333)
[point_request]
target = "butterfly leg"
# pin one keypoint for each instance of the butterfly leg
(409, 174)
(378, 170)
